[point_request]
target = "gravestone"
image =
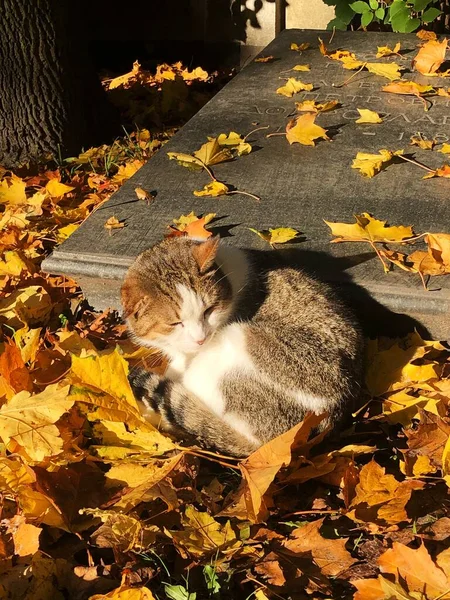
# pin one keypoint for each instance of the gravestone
(299, 186)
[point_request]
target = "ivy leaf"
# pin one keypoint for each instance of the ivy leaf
(303, 130)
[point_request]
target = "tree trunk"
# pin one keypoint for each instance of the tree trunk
(51, 101)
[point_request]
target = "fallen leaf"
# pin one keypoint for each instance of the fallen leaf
(417, 569)
(368, 589)
(367, 228)
(12, 191)
(280, 235)
(368, 116)
(408, 88)
(445, 149)
(235, 142)
(293, 86)
(430, 57)
(114, 223)
(265, 59)
(213, 189)
(443, 92)
(29, 306)
(429, 438)
(301, 68)
(422, 34)
(443, 171)
(29, 421)
(386, 51)
(193, 226)
(391, 71)
(303, 130)
(380, 497)
(371, 164)
(124, 592)
(316, 107)
(417, 140)
(25, 536)
(56, 189)
(126, 171)
(300, 47)
(142, 194)
(330, 555)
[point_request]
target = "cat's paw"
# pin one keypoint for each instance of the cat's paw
(143, 383)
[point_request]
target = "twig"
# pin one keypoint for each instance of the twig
(216, 460)
(414, 162)
(349, 79)
(257, 198)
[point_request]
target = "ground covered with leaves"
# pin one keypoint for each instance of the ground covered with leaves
(96, 503)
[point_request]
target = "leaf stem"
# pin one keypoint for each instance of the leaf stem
(273, 134)
(414, 162)
(254, 130)
(257, 198)
(350, 78)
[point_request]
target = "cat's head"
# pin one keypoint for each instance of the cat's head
(174, 295)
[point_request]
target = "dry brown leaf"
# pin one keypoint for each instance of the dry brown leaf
(265, 59)
(422, 34)
(144, 195)
(114, 223)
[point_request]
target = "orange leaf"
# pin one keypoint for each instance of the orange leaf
(430, 57)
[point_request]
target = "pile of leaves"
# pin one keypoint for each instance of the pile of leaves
(97, 503)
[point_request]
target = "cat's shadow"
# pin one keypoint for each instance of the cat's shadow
(374, 318)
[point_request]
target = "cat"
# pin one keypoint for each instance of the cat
(252, 344)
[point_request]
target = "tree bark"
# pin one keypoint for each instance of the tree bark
(51, 101)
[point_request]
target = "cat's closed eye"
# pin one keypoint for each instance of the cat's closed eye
(176, 323)
(208, 312)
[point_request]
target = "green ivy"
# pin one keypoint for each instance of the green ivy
(404, 16)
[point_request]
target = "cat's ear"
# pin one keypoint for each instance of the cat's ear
(205, 253)
(131, 298)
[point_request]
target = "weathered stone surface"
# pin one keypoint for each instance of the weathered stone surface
(299, 186)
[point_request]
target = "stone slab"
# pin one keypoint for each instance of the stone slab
(299, 186)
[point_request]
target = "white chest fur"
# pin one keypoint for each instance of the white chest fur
(225, 353)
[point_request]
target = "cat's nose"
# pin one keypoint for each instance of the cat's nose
(201, 342)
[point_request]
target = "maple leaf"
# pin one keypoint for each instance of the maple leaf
(13, 191)
(417, 140)
(303, 130)
(198, 74)
(29, 306)
(280, 235)
(330, 555)
(445, 149)
(386, 51)
(56, 189)
(119, 441)
(368, 116)
(416, 568)
(265, 59)
(443, 92)
(371, 164)
(25, 536)
(391, 71)
(260, 468)
(443, 171)
(430, 57)
(210, 153)
(125, 592)
(192, 226)
(213, 189)
(125, 80)
(293, 86)
(408, 88)
(380, 497)
(144, 195)
(28, 422)
(235, 142)
(367, 228)
(202, 534)
(426, 35)
(300, 47)
(429, 438)
(126, 171)
(316, 107)
(14, 474)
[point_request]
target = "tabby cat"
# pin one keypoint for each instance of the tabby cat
(252, 344)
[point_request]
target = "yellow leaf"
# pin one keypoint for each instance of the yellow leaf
(18, 219)
(13, 192)
(350, 63)
(198, 74)
(430, 57)
(212, 153)
(29, 306)
(234, 141)
(64, 232)
(14, 474)
(123, 80)
(445, 149)
(417, 140)
(214, 189)
(126, 171)
(303, 130)
(371, 164)
(29, 421)
(300, 47)
(28, 341)
(293, 86)
(264, 59)
(446, 462)
(114, 223)
(389, 70)
(12, 264)
(407, 88)
(202, 534)
(102, 380)
(426, 35)
(386, 51)
(368, 116)
(118, 439)
(56, 189)
(40, 508)
(316, 107)
(367, 228)
(280, 235)
(25, 536)
(186, 160)
(125, 531)
(125, 592)
(301, 68)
